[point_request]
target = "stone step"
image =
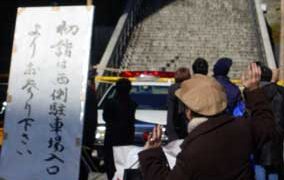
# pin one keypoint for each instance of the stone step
(180, 31)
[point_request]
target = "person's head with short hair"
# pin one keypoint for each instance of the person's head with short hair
(182, 74)
(123, 86)
(258, 63)
(266, 73)
(222, 66)
(194, 94)
(200, 66)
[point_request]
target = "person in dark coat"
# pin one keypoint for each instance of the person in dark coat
(269, 157)
(119, 115)
(200, 66)
(176, 120)
(89, 128)
(218, 146)
(221, 70)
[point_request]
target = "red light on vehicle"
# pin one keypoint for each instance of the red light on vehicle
(161, 74)
(126, 74)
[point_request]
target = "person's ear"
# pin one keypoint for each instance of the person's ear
(188, 114)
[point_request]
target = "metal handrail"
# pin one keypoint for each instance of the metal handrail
(270, 60)
(264, 45)
(118, 43)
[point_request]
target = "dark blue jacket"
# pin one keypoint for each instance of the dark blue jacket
(233, 92)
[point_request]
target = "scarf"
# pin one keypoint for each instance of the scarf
(193, 123)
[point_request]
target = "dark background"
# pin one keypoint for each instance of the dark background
(107, 14)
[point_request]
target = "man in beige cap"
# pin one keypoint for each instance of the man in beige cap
(218, 146)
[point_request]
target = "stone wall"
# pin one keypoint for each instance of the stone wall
(180, 31)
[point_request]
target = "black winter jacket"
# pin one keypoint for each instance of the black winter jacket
(271, 153)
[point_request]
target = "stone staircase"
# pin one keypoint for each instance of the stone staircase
(173, 33)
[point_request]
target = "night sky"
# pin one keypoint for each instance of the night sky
(107, 14)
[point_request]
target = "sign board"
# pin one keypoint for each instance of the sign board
(46, 94)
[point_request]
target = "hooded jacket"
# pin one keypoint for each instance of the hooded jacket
(233, 92)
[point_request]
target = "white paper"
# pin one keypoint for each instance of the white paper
(126, 157)
(46, 93)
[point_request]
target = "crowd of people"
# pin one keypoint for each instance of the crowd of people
(228, 133)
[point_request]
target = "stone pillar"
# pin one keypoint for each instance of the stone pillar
(281, 60)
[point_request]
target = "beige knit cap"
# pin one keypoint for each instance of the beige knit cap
(203, 95)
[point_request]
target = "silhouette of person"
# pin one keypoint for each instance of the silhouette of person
(119, 115)
(176, 120)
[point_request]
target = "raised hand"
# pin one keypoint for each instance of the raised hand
(154, 138)
(251, 77)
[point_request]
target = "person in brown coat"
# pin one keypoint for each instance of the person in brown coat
(218, 146)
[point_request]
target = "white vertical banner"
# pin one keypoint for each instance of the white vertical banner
(46, 93)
